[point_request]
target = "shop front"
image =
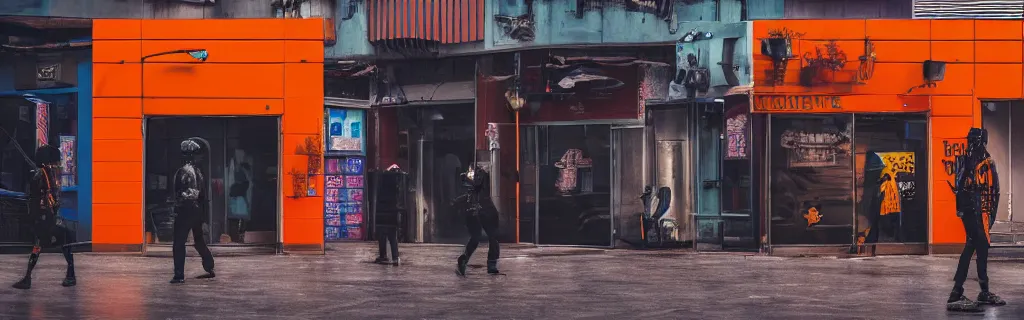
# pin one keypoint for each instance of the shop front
(253, 99)
(864, 119)
(839, 179)
(581, 152)
(45, 76)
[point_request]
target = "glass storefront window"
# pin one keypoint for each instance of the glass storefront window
(575, 185)
(842, 179)
(811, 179)
(892, 182)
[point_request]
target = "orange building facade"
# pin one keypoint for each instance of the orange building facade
(257, 98)
(854, 107)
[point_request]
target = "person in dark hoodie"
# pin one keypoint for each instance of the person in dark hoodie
(389, 209)
(480, 214)
(190, 196)
(977, 198)
(48, 226)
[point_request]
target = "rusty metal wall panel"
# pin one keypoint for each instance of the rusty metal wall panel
(444, 21)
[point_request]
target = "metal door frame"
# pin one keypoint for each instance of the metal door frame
(612, 124)
(616, 173)
(696, 114)
(278, 247)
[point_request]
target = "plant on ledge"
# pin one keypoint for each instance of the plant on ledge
(313, 149)
(831, 59)
(779, 46)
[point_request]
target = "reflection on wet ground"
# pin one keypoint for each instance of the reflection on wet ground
(545, 283)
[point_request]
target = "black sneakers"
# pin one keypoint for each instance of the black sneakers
(990, 299)
(962, 305)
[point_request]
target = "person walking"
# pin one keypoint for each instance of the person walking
(977, 198)
(190, 196)
(480, 214)
(49, 228)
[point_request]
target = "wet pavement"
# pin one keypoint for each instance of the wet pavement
(541, 283)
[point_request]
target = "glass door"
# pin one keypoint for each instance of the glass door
(242, 178)
(574, 185)
(627, 182)
(999, 117)
(811, 184)
(709, 136)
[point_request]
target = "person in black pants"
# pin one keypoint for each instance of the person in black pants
(189, 201)
(387, 234)
(977, 198)
(48, 226)
(480, 214)
(389, 207)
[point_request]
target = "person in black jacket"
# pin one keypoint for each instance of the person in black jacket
(480, 214)
(977, 198)
(389, 207)
(190, 196)
(48, 226)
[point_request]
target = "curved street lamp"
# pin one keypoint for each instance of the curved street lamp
(199, 54)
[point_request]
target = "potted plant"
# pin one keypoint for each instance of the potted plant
(779, 44)
(825, 60)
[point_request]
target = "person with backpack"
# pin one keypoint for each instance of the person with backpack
(977, 199)
(49, 228)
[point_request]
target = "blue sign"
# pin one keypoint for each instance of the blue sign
(345, 130)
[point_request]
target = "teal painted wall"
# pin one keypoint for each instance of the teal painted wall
(766, 9)
(350, 28)
(556, 22)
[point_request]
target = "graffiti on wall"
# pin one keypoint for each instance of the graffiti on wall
(950, 150)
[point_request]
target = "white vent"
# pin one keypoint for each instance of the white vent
(968, 9)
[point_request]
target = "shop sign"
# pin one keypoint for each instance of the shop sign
(815, 103)
(67, 161)
(345, 130)
(42, 124)
(48, 72)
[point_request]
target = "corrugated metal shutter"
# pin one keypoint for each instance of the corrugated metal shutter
(968, 9)
(444, 21)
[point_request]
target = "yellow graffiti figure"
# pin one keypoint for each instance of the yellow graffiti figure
(890, 192)
(813, 217)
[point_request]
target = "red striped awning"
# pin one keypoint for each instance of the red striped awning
(444, 21)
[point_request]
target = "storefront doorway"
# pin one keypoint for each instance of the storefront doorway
(573, 189)
(999, 117)
(436, 146)
(842, 179)
(242, 166)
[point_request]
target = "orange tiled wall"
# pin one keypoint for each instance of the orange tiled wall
(983, 62)
(270, 67)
